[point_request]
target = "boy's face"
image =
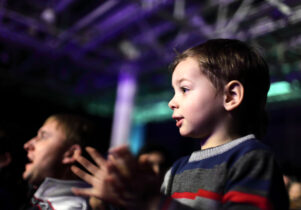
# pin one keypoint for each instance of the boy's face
(196, 105)
(45, 153)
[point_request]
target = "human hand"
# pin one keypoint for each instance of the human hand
(97, 204)
(139, 182)
(120, 180)
(98, 177)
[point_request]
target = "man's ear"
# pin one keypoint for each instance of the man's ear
(73, 151)
(233, 95)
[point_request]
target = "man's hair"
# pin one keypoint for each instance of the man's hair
(78, 130)
(224, 60)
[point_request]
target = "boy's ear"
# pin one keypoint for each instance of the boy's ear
(73, 151)
(233, 95)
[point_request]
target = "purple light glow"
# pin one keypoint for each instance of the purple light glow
(121, 20)
(123, 107)
(62, 5)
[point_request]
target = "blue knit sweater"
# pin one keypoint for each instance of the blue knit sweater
(241, 174)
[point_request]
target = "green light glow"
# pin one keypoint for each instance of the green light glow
(150, 111)
(284, 91)
(99, 108)
(154, 112)
(279, 88)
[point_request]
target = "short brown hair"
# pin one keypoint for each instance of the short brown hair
(224, 60)
(78, 130)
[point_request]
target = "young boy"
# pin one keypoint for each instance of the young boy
(220, 92)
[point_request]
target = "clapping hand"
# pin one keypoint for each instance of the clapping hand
(120, 180)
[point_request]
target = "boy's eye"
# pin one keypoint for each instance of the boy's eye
(184, 90)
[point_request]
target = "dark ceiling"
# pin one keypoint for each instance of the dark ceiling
(73, 51)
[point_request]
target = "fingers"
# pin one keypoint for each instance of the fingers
(116, 181)
(122, 151)
(99, 160)
(116, 149)
(123, 160)
(87, 164)
(82, 174)
(119, 166)
(86, 192)
(120, 161)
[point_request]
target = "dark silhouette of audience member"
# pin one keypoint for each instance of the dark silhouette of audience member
(157, 157)
(294, 192)
(293, 186)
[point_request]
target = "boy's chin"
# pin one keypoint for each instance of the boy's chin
(190, 134)
(182, 133)
(187, 134)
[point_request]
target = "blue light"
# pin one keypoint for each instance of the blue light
(137, 137)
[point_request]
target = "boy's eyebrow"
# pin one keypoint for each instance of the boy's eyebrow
(178, 81)
(182, 79)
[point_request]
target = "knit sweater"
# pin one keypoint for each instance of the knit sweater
(241, 174)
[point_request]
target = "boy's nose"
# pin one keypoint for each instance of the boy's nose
(172, 104)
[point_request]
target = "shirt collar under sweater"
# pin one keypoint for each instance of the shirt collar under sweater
(55, 187)
(210, 152)
(57, 194)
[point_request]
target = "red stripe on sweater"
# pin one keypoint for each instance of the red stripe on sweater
(200, 193)
(232, 196)
(240, 197)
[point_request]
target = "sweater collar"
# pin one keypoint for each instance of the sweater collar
(210, 152)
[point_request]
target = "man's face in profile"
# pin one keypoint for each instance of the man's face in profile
(45, 153)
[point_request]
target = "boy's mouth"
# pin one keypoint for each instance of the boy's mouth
(179, 120)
